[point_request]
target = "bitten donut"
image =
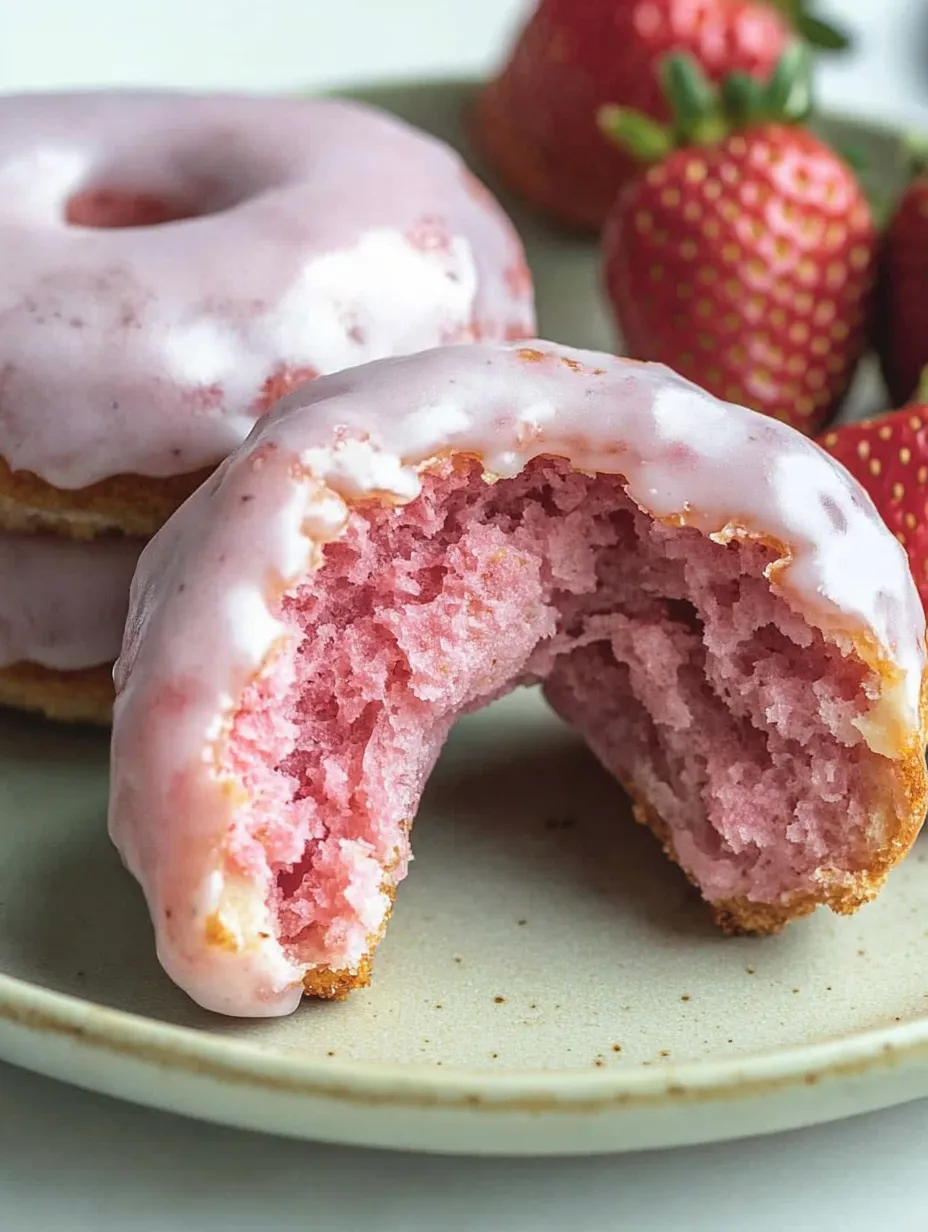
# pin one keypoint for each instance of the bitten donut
(174, 263)
(705, 595)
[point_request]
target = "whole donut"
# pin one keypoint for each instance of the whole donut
(173, 263)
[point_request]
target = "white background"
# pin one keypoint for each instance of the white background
(74, 1161)
(269, 44)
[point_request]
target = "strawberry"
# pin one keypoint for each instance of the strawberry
(537, 120)
(888, 455)
(902, 319)
(744, 259)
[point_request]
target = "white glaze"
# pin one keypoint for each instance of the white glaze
(63, 601)
(329, 235)
(259, 525)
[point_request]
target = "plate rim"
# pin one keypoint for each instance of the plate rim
(413, 1085)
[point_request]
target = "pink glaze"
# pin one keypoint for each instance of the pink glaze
(295, 238)
(399, 543)
(62, 601)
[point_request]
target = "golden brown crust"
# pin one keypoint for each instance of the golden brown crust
(84, 696)
(331, 985)
(904, 802)
(130, 504)
(739, 917)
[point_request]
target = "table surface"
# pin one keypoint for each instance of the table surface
(75, 1161)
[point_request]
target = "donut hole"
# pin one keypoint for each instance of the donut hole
(108, 209)
(730, 717)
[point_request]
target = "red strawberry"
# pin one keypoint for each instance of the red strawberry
(889, 457)
(745, 259)
(902, 320)
(537, 120)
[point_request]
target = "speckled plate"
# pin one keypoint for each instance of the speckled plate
(548, 984)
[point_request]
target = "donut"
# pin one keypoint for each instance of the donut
(63, 606)
(174, 263)
(710, 600)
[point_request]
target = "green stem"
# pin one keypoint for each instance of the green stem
(921, 393)
(705, 114)
(821, 35)
(645, 139)
(916, 149)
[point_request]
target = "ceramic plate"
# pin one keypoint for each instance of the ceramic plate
(548, 984)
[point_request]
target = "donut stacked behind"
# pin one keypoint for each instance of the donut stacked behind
(62, 610)
(173, 264)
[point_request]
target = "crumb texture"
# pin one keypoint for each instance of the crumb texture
(729, 718)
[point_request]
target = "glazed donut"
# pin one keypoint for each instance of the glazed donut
(63, 608)
(307, 236)
(174, 263)
(705, 595)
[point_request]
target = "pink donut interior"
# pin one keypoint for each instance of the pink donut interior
(693, 683)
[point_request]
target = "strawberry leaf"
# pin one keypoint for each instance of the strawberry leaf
(692, 98)
(916, 153)
(788, 94)
(645, 139)
(921, 393)
(821, 34)
(742, 97)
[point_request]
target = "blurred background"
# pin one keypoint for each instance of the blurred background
(286, 44)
